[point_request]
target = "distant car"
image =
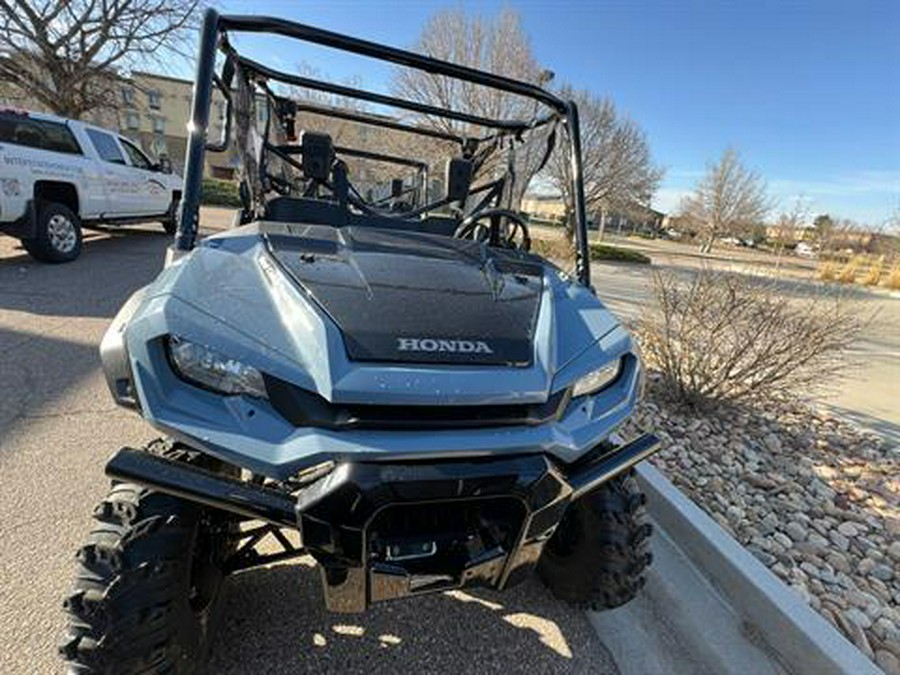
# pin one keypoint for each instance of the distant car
(734, 241)
(805, 250)
(58, 174)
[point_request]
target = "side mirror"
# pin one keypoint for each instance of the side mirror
(164, 165)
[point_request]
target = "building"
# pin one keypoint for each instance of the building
(637, 219)
(153, 110)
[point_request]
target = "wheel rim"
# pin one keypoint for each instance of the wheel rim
(61, 232)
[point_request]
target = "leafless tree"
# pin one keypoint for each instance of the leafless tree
(728, 200)
(69, 55)
(789, 226)
(619, 173)
(498, 45)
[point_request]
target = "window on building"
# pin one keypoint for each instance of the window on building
(153, 99)
(132, 121)
(20, 129)
(128, 95)
(106, 146)
(159, 125)
(138, 158)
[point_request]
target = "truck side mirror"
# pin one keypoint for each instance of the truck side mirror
(164, 165)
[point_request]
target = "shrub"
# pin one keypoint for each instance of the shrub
(217, 192)
(617, 254)
(561, 250)
(828, 271)
(893, 278)
(876, 269)
(718, 337)
(847, 275)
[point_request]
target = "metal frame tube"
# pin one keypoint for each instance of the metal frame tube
(267, 24)
(380, 99)
(582, 249)
(188, 223)
(361, 118)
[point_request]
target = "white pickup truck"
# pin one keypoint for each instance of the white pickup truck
(57, 175)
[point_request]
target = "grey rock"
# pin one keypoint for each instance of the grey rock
(858, 617)
(889, 663)
(848, 529)
(783, 540)
(882, 572)
(838, 561)
(894, 550)
(839, 540)
(866, 566)
(796, 531)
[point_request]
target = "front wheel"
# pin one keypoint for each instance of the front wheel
(598, 555)
(146, 595)
(57, 236)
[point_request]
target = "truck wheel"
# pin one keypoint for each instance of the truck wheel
(170, 224)
(597, 557)
(146, 593)
(57, 236)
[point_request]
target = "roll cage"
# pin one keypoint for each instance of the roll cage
(239, 75)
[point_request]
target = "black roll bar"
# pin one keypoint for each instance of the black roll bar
(212, 37)
(380, 99)
(375, 121)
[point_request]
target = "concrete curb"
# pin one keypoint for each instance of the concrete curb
(802, 640)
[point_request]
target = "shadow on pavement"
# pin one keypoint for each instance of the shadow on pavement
(889, 430)
(275, 622)
(111, 266)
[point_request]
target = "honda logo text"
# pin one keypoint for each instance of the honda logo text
(434, 345)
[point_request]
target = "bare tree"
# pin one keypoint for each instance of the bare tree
(618, 169)
(69, 54)
(729, 199)
(498, 45)
(790, 224)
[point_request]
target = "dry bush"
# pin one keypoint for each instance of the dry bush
(893, 278)
(828, 271)
(848, 272)
(876, 269)
(718, 337)
(557, 248)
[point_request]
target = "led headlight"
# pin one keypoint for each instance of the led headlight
(211, 370)
(596, 379)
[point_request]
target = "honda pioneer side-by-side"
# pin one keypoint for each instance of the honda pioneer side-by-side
(388, 381)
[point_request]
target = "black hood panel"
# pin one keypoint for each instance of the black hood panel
(401, 296)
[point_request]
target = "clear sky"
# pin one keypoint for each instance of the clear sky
(807, 91)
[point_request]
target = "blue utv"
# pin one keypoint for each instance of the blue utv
(375, 373)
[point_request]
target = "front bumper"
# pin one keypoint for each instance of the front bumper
(384, 530)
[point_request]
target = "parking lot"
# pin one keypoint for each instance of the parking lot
(58, 425)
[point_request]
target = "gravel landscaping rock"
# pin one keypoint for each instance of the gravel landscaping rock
(813, 497)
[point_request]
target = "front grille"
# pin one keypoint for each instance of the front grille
(307, 409)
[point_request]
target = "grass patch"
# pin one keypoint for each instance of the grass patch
(617, 254)
(217, 192)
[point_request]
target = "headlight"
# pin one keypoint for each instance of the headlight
(211, 370)
(597, 379)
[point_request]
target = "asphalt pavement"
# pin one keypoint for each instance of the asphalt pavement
(58, 425)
